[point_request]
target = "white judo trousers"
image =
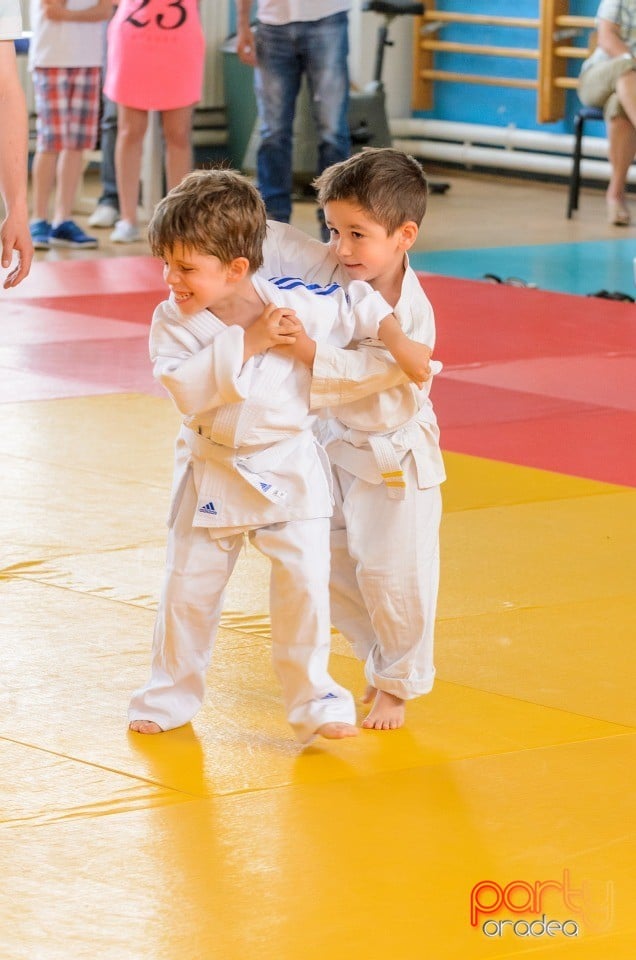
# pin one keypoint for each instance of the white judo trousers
(198, 568)
(385, 578)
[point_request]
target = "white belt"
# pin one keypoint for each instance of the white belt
(389, 466)
(247, 463)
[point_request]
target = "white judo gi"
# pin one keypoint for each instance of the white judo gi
(247, 462)
(387, 468)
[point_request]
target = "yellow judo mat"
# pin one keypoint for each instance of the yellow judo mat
(498, 822)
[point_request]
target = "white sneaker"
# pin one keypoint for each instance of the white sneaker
(103, 216)
(125, 232)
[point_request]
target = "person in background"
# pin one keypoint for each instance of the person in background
(65, 56)
(292, 38)
(106, 213)
(14, 227)
(155, 59)
(608, 80)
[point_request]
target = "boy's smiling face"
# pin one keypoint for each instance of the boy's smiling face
(197, 281)
(363, 247)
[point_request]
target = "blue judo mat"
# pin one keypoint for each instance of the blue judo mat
(581, 268)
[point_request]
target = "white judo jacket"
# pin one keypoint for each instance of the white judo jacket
(246, 432)
(376, 413)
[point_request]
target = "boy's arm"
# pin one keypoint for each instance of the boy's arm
(276, 327)
(343, 375)
(346, 375)
(412, 352)
(199, 378)
(201, 366)
(245, 46)
(289, 252)
(57, 10)
(412, 357)
(332, 320)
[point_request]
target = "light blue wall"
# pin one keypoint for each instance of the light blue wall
(498, 106)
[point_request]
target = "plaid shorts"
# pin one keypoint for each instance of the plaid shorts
(67, 101)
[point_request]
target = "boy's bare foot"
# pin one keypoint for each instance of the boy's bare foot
(368, 695)
(145, 726)
(387, 712)
(336, 730)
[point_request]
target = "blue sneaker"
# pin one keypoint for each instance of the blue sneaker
(40, 234)
(68, 234)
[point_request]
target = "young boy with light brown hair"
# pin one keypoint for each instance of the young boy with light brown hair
(247, 463)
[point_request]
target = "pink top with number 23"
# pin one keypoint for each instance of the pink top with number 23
(155, 57)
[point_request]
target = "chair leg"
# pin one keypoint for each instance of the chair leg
(575, 175)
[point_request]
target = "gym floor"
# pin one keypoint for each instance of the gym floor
(500, 821)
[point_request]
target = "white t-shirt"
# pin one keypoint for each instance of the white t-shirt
(278, 12)
(65, 43)
(10, 19)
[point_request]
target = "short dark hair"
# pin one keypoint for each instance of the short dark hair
(388, 184)
(216, 212)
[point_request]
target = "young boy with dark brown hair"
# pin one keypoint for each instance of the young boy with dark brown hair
(384, 448)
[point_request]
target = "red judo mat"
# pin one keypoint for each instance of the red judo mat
(540, 379)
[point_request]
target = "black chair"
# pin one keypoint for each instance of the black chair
(585, 113)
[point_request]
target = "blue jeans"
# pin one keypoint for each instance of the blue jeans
(108, 136)
(318, 49)
(107, 140)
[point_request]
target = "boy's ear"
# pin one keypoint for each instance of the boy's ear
(408, 234)
(238, 268)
